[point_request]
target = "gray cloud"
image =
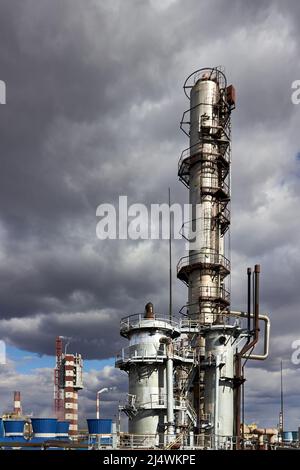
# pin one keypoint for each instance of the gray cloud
(37, 392)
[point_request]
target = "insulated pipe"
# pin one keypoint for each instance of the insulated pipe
(266, 320)
(170, 392)
(216, 416)
(271, 433)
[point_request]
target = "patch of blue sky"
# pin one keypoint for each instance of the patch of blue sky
(26, 361)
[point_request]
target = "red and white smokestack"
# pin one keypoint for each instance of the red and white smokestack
(58, 386)
(71, 395)
(17, 404)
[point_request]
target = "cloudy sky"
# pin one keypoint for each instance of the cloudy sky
(94, 98)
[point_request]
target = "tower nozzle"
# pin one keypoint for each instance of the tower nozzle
(149, 311)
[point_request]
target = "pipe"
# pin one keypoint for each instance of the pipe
(266, 320)
(106, 389)
(271, 434)
(241, 354)
(170, 392)
(243, 407)
(170, 261)
(249, 273)
(216, 416)
(256, 301)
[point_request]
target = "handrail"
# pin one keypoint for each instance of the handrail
(219, 76)
(186, 155)
(214, 117)
(140, 353)
(138, 320)
(204, 258)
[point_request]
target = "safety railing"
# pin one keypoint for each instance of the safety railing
(137, 353)
(206, 258)
(215, 73)
(160, 400)
(138, 441)
(191, 154)
(212, 127)
(138, 320)
(134, 353)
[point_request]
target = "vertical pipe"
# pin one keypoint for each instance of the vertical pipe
(249, 273)
(256, 301)
(216, 416)
(98, 406)
(237, 407)
(243, 410)
(253, 299)
(246, 348)
(170, 259)
(281, 402)
(170, 394)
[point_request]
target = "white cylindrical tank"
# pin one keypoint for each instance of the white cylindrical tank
(149, 362)
(148, 382)
(220, 344)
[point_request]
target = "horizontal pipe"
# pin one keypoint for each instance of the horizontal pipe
(266, 320)
(265, 431)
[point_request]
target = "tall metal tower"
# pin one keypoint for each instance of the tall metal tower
(67, 383)
(58, 390)
(204, 167)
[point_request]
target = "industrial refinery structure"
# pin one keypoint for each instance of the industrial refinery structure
(186, 371)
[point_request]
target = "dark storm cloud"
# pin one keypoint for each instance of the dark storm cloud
(94, 100)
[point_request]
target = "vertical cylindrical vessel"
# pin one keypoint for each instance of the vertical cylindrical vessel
(149, 361)
(219, 374)
(205, 168)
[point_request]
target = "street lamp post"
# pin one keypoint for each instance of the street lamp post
(106, 389)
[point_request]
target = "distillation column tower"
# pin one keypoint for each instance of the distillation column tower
(204, 168)
(185, 374)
